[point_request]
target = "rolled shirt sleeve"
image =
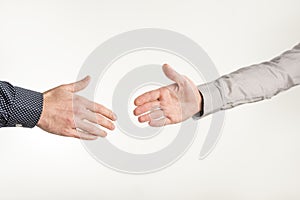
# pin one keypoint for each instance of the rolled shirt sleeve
(19, 107)
(251, 84)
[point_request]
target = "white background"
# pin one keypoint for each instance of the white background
(44, 43)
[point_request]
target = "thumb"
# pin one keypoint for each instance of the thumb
(172, 74)
(79, 85)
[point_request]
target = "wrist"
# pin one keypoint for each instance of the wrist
(41, 121)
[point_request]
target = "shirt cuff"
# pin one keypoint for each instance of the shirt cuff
(211, 99)
(26, 109)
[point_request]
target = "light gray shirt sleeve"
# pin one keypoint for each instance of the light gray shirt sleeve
(251, 84)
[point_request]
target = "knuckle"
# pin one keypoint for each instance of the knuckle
(165, 92)
(162, 90)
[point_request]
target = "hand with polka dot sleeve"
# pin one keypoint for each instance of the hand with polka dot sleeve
(18, 106)
(58, 111)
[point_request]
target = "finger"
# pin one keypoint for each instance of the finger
(82, 135)
(156, 114)
(147, 97)
(99, 119)
(100, 109)
(159, 122)
(79, 85)
(173, 75)
(144, 118)
(146, 107)
(90, 128)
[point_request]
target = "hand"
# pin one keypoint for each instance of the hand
(67, 114)
(170, 104)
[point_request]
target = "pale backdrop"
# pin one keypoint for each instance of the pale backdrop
(44, 43)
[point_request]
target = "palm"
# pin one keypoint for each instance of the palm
(176, 102)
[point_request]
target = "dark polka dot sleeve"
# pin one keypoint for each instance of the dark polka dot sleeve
(19, 107)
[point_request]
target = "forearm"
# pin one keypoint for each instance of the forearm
(18, 106)
(253, 83)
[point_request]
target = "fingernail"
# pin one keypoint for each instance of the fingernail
(113, 127)
(135, 112)
(136, 102)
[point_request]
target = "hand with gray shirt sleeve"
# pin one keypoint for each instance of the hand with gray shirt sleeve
(179, 101)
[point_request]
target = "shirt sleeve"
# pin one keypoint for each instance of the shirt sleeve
(19, 107)
(251, 84)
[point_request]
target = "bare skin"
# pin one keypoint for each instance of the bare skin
(67, 114)
(176, 102)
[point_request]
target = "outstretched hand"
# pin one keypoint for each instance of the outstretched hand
(67, 114)
(170, 104)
